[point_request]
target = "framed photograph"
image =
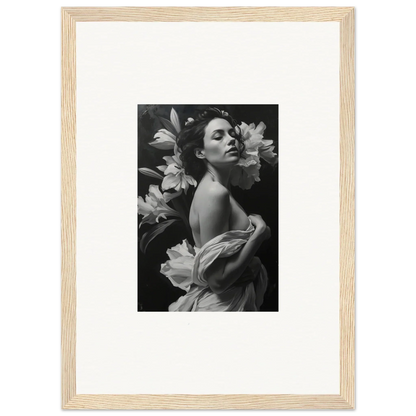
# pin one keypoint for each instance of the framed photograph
(232, 131)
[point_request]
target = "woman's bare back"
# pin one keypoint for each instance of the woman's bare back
(236, 217)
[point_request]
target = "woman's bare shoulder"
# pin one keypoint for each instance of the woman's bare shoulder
(216, 190)
(212, 195)
(212, 189)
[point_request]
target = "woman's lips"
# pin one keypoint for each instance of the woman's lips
(233, 149)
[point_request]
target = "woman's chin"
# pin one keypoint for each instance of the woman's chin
(232, 161)
(227, 163)
(234, 156)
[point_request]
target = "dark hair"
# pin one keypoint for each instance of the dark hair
(192, 135)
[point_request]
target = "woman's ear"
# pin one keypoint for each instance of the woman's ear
(199, 153)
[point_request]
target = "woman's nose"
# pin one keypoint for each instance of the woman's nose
(231, 141)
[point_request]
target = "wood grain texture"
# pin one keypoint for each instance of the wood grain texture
(347, 209)
(209, 401)
(68, 208)
(345, 15)
(205, 14)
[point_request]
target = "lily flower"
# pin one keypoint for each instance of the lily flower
(183, 249)
(246, 172)
(165, 140)
(254, 143)
(154, 207)
(175, 180)
(178, 269)
(175, 177)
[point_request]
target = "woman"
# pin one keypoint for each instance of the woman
(224, 274)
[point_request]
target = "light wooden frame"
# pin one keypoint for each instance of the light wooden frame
(346, 399)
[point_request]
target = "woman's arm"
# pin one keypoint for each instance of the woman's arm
(214, 220)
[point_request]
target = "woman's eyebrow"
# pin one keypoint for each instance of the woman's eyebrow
(217, 131)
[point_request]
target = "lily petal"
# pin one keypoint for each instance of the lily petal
(172, 170)
(151, 173)
(267, 143)
(142, 207)
(154, 191)
(244, 128)
(191, 180)
(165, 134)
(175, 120)
(170, 181)
(162, 144)
(165, 140)
(151, 200)
(162, 168)
(183, 249)
(168, 196)
(260, 128)
(169, 160)
(270, 158)
(184, 185)
(177, 160)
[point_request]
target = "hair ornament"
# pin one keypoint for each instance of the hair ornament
(189, 121)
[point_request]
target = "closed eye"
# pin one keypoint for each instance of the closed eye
(217, 134)
(231, 133)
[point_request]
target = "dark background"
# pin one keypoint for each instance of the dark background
(155, 292)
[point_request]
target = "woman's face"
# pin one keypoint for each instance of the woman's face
(221, 147)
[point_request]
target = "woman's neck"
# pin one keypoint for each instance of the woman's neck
(219, 175)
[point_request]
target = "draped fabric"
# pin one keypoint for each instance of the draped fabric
(188, 270)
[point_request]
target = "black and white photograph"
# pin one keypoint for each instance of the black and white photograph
(208, 208)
